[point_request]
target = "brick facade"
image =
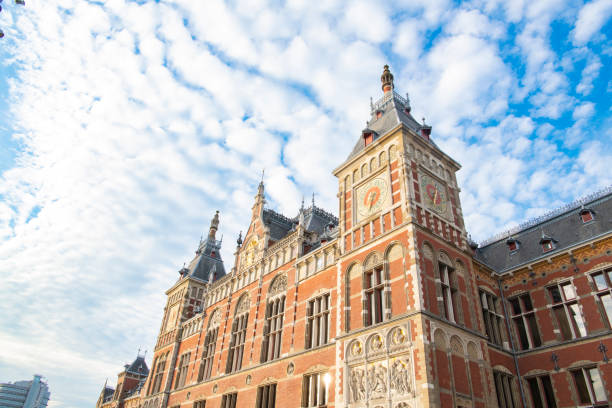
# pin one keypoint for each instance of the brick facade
(382, 307)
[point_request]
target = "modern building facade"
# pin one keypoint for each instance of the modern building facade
(389, 304)
(25, 394)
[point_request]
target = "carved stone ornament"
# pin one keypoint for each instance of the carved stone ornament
(373, 259)
(357, 384)
(290, 368)
(215, 319)
(402, 405)
(243, 304)
(456, 346)
(279, 285)
(377, 380)
(376, 343)
(398, 336)
(215, 387)
(401, 378)
(356, 349)
(248, 379)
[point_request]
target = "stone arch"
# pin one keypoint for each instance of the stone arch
(457, 346)
(347, 182)
(443, 257)
(392, 152)
(364, 170)
(354, 349)
(373, 164)
(534, 372)
(428, 251)
(472, 351)
(581, 363)
(215, 319)
(243, 304)
(373, 259)
(382, 159)
(440, 340)
(502, 369)
(394, 252)
(355, 175)
(397, 336)
(375, 343)
(278, 285)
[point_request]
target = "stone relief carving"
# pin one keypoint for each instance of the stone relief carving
(215, 319)
(456, 346)
(400, 377)
(356, 349)
(357, 385)
(376, 343)
(243, 304)
(278, 286)
(377, 380)
(373, 259)
(398, 336)
(444, 258)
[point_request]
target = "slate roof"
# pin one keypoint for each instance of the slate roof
(564, 226)
(395, 110)
(207, 259)
(138, 366)
(315, 220)
(279, 225)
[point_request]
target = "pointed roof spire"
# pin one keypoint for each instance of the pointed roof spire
(302, 207)
(214, 225)
(313, 199)
(387, 80)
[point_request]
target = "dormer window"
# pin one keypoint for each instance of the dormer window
(547, 243)
(587, 215)
(379, 114)
(513, 244)
(368, 138)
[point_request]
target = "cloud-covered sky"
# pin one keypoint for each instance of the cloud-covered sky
(125, 124)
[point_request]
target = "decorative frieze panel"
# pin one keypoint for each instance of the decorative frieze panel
(379, 369)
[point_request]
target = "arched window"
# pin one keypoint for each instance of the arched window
(449, 289)
(210, 342)
(375, 303)
(273, 326)
(159, 373)
(239, 330)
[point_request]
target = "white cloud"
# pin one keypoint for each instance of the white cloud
(591, 19)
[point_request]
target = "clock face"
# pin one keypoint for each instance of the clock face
(371, 197)
(434, 194)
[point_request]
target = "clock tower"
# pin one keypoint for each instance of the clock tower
(405, 265)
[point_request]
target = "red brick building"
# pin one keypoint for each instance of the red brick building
(389, 304)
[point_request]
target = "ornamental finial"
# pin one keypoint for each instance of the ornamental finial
(387, 80)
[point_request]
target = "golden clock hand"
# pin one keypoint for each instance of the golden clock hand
(435, 198)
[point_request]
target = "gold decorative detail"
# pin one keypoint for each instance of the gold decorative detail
(376, 343)
(356, 348)
(398, 336)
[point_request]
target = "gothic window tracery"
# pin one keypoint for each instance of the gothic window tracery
(239, 330)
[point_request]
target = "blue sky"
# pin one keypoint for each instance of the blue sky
(125, 125)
